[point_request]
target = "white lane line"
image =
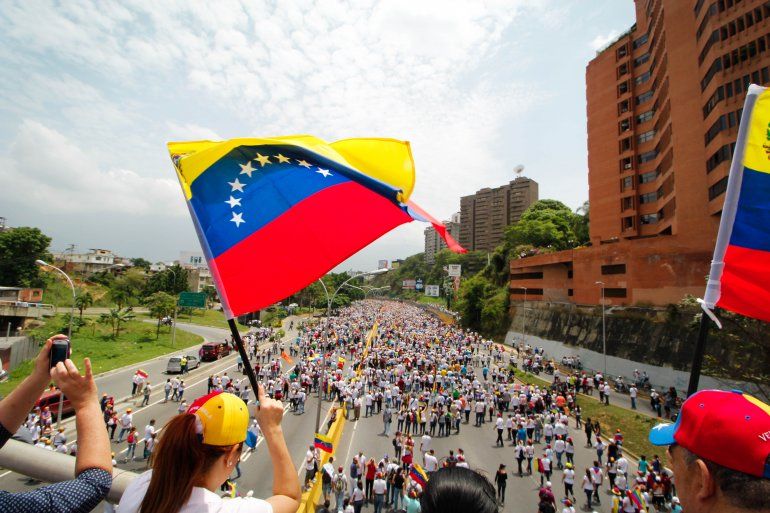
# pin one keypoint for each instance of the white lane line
(5, 474)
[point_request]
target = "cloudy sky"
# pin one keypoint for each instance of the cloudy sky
(90, 92)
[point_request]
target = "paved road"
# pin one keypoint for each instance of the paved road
(363, 435)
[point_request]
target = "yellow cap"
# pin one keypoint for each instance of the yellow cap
(224, 418)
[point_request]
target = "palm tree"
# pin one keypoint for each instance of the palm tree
(116, 317)
(83, 301)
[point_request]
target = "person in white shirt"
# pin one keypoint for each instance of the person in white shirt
(379, 487)
(607, 394)
(568, 478)
(199, 450)
(425, 443)
(431, 462)
(633, 392)
(126, 422)
(588, 488)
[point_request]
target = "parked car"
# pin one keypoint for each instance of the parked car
(50, 398)
(211, 351)
(175, 363)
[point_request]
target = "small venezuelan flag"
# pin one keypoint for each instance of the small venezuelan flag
(418, 475)
(261, 206)
(739, 279)
(323, 443)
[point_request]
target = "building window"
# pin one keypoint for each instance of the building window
(722, 154)
(626, 164)
(641, 40)
(641, 59)
(627, 203)
(622, 51)
(649, 176)
(648, 156)
(627, 183)
(718, 188)
(622, 70)
(641, 79)
(570, 274)
(624, 125)
(627, 223)
(719, 125)
(527, 276)
(615, 292)
(623, 107)
(646, 136)
(645, 116)
(623, 88)
(570, 292)
(648, 218)
(614, 269)
(698, 5)
(715, 68)
(644, 97)
(717, 97)
(625, 144)
(648, 198)
(531, 292)
(714, 38)
(765, 75)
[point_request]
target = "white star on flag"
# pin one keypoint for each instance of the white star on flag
(304, 163)
(324, 172)
(660, 426)
(247, 169)
(237, 186)
(237, 219)
(234, 202)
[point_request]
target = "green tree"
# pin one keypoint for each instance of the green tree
(580, 224)
(160, 305)
(116, 317)
(19, 248)
(546, 224)
(83, 301)
(141, 262)
(172, 280)
(127, 288)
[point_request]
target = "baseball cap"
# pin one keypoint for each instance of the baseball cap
(223, 417)
(709, 418)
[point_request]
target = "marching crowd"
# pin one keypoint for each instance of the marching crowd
(427, 379)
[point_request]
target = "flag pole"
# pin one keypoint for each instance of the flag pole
(697, 359)
(245, 357)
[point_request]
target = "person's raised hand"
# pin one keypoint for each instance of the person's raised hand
(80, 390)
(270, 411)
(43, 360)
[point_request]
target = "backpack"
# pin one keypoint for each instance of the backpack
(131, 438)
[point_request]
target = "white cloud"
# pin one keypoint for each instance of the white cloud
(601, 40)
(46, 171)
(191, 132)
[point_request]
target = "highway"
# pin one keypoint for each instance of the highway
(363, 435)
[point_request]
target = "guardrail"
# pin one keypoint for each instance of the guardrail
(53, 467)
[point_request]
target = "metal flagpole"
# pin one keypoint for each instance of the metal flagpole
(245, 357)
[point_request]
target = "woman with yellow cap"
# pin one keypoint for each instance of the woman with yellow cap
(197, 452)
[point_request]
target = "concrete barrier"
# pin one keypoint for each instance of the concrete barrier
(54, 467)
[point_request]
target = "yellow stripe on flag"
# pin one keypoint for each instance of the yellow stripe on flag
(757, 152)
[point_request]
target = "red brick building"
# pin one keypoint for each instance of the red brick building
(663, 103)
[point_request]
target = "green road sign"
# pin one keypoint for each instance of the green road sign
(192, 299)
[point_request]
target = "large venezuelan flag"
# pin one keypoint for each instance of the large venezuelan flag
(740, 270)
(273, 215)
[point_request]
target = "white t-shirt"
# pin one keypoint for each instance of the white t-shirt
(200, 501)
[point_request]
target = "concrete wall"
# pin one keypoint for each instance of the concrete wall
(14, 350)
(636, 338)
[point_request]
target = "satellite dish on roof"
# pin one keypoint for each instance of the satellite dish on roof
(519, 170)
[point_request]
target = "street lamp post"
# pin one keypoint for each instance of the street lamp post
(173, 321)
(604, 331)
(329, 302)
(525, 292)
(41, 263)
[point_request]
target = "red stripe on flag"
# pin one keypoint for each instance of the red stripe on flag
(302, 244)
(743, 284)
(451, 243)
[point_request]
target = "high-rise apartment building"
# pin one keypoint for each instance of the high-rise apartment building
(485, 215)
(664, 102)
(433, 241)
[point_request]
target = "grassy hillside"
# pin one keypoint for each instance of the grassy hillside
(58, 292)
